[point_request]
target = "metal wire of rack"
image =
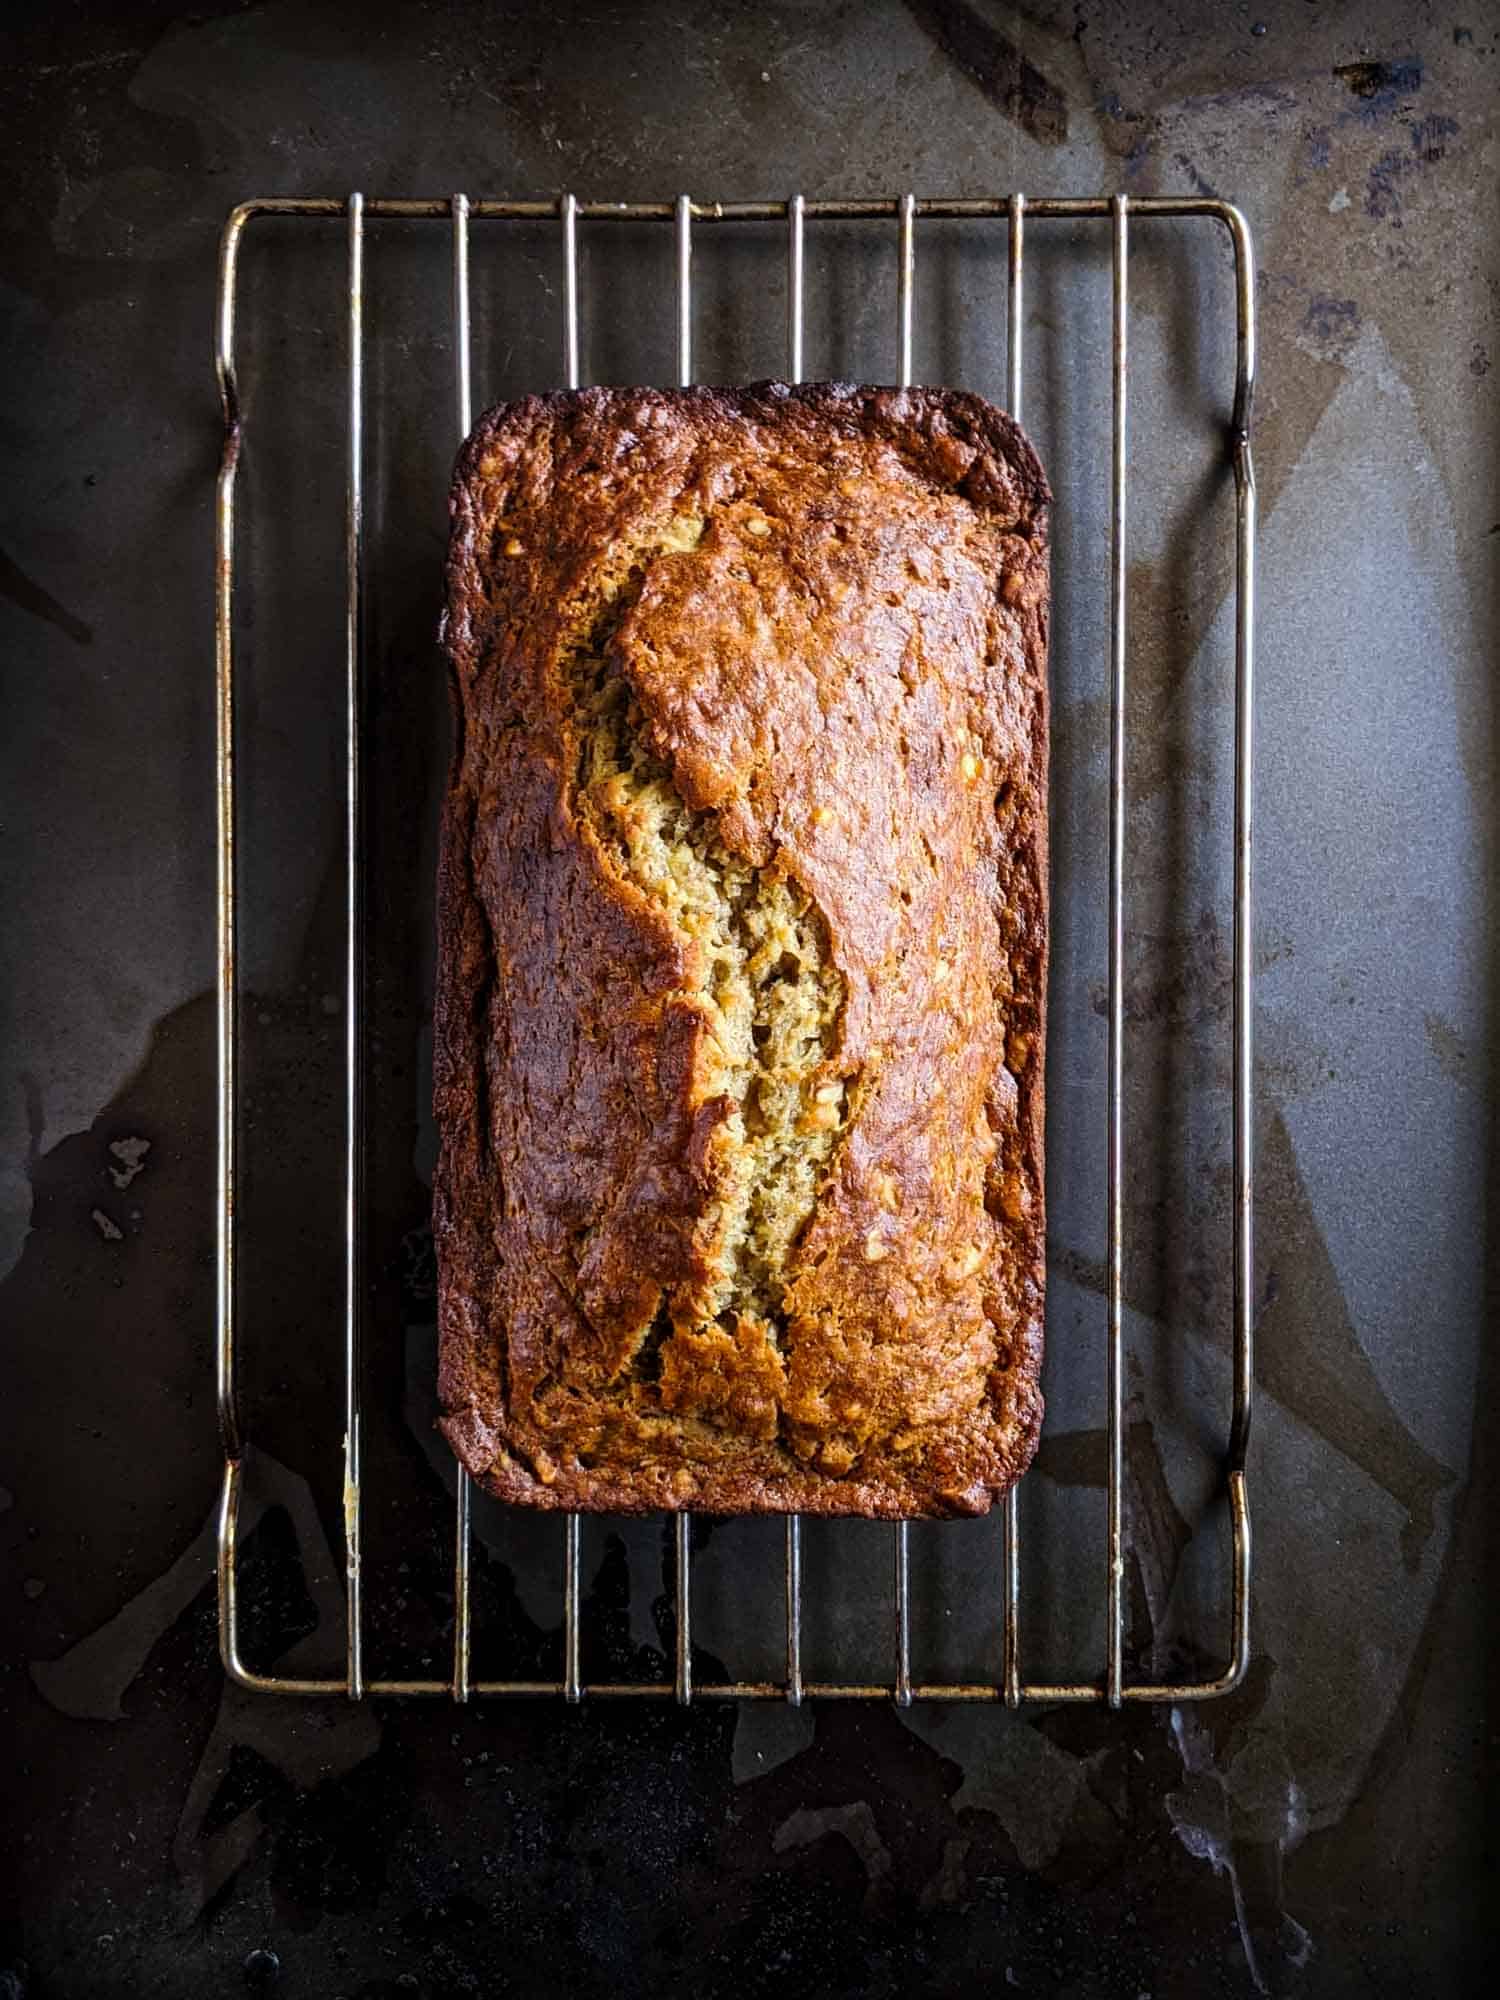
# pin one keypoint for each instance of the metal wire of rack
(1119, 211)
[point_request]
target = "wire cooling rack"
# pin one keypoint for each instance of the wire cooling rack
(1119, 213)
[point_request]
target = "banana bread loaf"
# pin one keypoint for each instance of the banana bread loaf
(742, 952)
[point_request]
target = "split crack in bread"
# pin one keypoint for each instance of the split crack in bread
(742, 952)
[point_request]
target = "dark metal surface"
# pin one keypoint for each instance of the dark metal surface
(1324, 1830)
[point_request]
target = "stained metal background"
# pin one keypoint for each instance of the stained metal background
(1322, 1830)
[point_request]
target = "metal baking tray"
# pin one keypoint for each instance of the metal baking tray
(997, 1601)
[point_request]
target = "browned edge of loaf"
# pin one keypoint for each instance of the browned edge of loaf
(895, 415)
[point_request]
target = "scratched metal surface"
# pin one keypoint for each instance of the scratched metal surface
(1323, 1831)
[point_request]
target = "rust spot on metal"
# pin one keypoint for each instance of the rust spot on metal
(233, 426)
(1371, 80)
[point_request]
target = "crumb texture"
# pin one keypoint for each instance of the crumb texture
(742, 950)
(763, 980)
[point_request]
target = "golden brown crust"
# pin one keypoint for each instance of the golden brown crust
(815, 619)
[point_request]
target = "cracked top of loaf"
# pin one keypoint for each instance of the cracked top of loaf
(742, 952)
